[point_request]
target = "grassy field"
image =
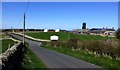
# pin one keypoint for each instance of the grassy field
(64, 36)
(104, 62)
(3, 35)
(5, 44)
(31, 61)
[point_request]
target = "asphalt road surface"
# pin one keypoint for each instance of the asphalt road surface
(53, 59)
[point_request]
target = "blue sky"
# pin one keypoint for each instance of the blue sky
(60, 15)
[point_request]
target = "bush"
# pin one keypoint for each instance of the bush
(44, 43)
(118, 50)
(118, 33)
(73, 43)
(109, 47)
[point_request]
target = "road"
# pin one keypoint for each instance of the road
(53, 59)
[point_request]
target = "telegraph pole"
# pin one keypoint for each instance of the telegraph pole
(24, 30)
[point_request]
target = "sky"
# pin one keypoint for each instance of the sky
(60, 15)
(61, 0)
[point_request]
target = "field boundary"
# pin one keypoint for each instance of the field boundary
(29, 37)
(9, 52)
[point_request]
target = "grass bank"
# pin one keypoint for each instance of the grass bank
(104, 62)
(31, 61)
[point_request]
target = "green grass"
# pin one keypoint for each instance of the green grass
(0, 35)
(3, 35)
(5, 44)
(31, 61)
(64, 36)
(104, 62)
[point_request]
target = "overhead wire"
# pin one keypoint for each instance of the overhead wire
(24, 11)
(27, 6)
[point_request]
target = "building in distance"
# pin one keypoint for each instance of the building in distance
(110, 32)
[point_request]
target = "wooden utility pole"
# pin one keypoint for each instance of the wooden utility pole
(24, 30)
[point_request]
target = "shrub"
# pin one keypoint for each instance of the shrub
(118, 33)
(73, 43)
(118, 50)
(57, 44)
(44, 43)
(109, 47)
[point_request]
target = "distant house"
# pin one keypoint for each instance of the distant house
(80, 31)
(77, 31)
(96, 31)
(110, 32)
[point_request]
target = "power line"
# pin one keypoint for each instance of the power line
(27, 6)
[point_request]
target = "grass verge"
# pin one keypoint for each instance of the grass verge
(104, 62)
(31, 61)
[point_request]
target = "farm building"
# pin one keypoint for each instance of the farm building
(110, 32)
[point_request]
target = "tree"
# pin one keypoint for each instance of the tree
(118, 33)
